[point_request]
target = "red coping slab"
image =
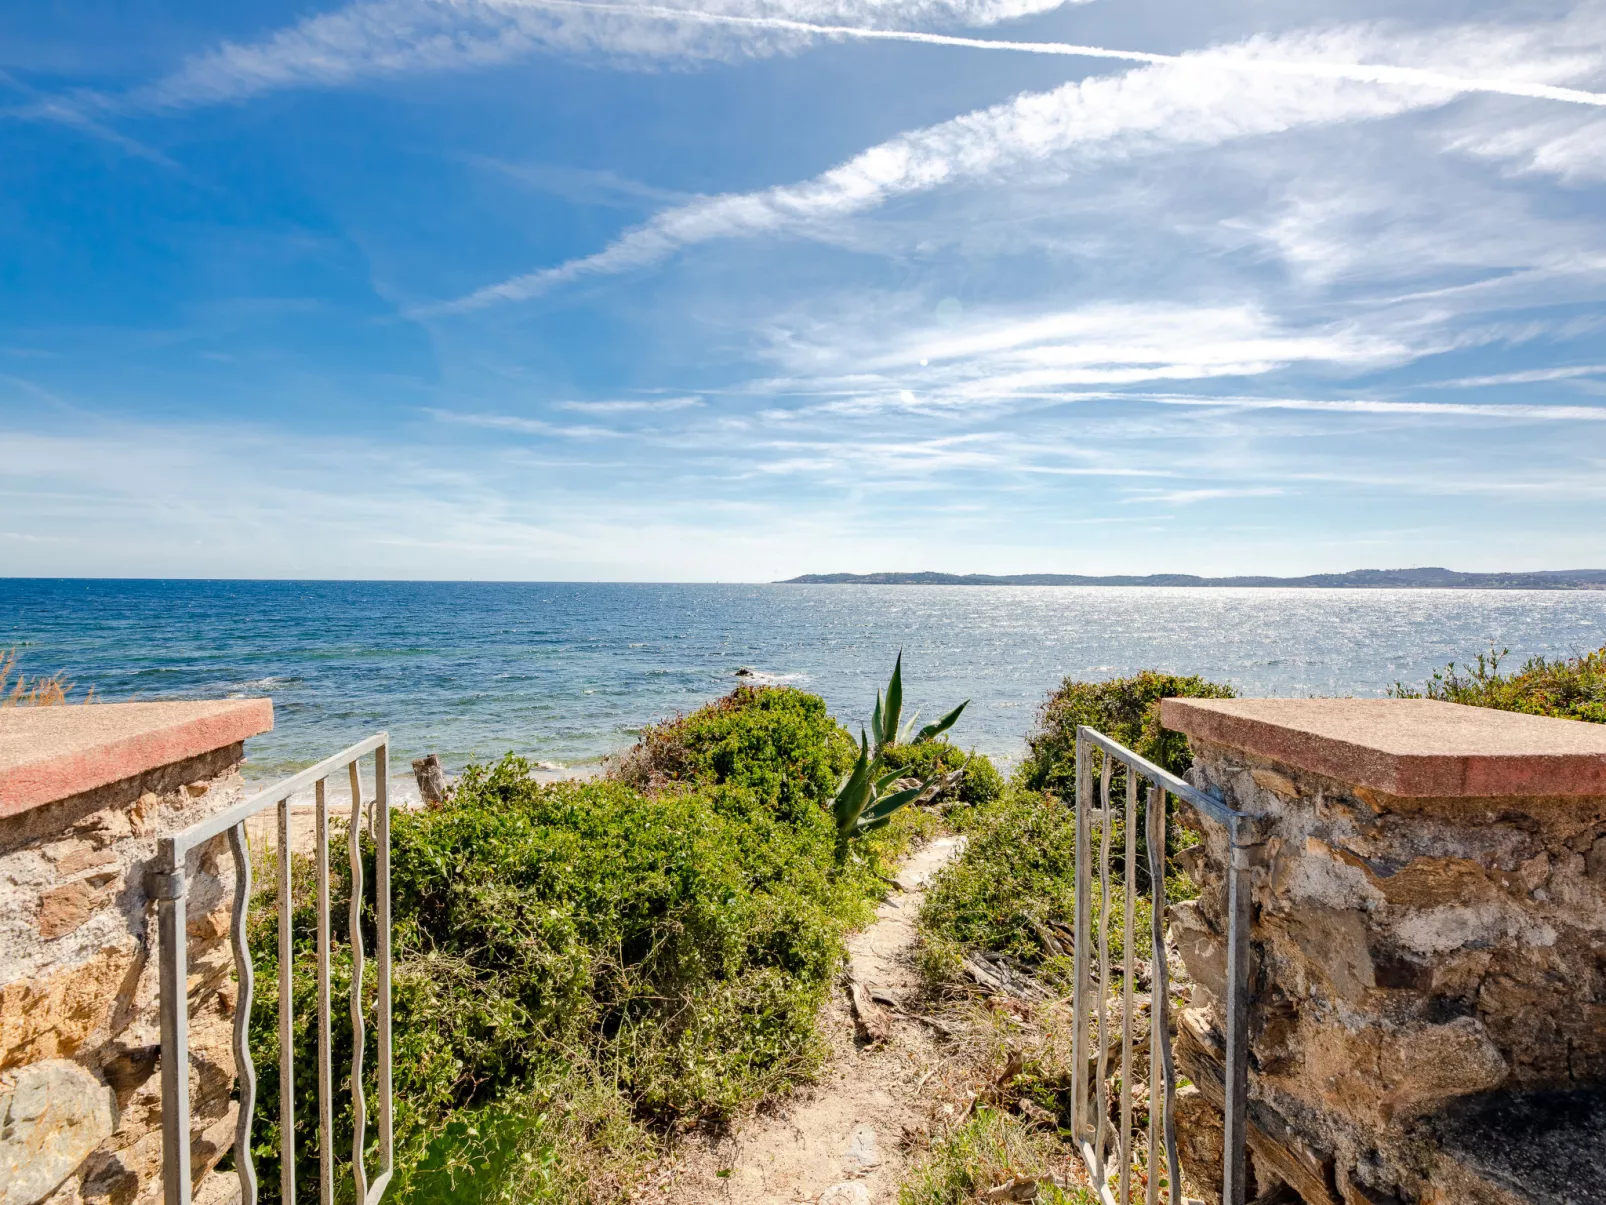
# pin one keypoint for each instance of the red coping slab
(51, 753)
(1411, 747)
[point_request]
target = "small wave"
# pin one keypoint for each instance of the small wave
(763, 677)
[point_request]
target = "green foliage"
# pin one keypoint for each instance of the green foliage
(885, 728)
(1124, 709)
(779, 744)
(869, 794)
(989, 1149)
(1572, 688)
(979, 785)
(573, 960)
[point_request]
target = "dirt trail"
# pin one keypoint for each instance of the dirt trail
(845, 1133)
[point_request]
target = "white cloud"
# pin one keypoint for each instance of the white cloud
(377, 38)
(1141, 112)
(633, 405)
(1229, 93)
(1532, 376)
(524, 426)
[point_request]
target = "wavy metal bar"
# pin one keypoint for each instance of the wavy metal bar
(1105, 825)
(359, 1106)
(206, 829)
(326, 1089)
(380, 820)
(166, 884)
(1083, 931)
(1128, 942)
(246, 976)
(287, 1034)
(1163, 1079)
(1209, 805)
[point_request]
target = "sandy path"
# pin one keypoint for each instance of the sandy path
(848, 1127)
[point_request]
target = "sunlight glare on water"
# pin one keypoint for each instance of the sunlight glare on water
(568, 672)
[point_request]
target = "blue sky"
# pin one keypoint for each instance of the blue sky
(733, 289)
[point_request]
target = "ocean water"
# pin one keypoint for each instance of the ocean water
(565, 673)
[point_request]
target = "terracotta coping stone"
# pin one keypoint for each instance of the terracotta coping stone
(51, 753)
(1408, 747)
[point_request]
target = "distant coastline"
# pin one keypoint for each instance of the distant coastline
(1355, 579)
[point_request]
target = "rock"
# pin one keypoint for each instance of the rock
(52, 1115)
(847, 1193)
(1277, 784)
(1203, 953)
(1595, 860)
(1021, 1188)
(1199, 1138)
(431, 779)
(862, 1149)
(1433, 1063)
(1335, 943)
(66, 908)
(51, 1017)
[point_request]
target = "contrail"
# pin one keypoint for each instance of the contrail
(1364, 73)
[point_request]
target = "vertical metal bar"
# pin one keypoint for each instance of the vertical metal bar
(1234, 1173)
(1105, 825)
(326, 1091)
(1129, 909)
(1163, 1080)
(359, 1114)
(173, 989)
(1079, 949)
(381, 822)
(287, 1035)
(244, 1168)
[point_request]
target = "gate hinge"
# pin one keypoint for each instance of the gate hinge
(164, 884)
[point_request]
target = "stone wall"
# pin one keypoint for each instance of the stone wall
(80, 1099)
(1428, 987)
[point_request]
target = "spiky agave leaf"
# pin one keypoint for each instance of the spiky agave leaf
(893, 710)
(938, 727)
(877, 729)
(854, 792)
(887, 804)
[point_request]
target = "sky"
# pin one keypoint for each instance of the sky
(741, 289)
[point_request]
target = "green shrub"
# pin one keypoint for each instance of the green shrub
(1125, 709)
(981, 784)
(1572, 688)
(990, 1149)
(576, 959)
(780, 744)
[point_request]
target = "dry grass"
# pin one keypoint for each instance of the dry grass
(1002, 1107)
(51, 691)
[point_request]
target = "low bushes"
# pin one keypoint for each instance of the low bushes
(1125, 709)
(990, 1149)
(577, 964)
(1571, 688)
(1016, 880)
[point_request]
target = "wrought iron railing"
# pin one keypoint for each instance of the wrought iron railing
(168, 884)
(1108, 1145)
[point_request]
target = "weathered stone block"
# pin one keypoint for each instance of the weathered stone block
(52, 1115)
(1418, 957)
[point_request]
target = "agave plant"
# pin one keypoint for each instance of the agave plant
(867, 798)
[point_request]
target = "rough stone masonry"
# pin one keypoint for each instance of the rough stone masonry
(85, 792)
(1428, 969)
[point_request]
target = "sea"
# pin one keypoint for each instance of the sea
(565, 673)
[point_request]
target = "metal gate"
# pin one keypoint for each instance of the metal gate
(167, 883)
(1108, 1146)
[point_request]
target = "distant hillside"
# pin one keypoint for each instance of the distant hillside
(1388, 579)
